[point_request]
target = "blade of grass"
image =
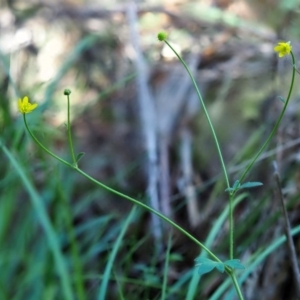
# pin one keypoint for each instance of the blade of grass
(119, 287)
(166, 268)
(77, 261)
(45, 223)
(117, 245)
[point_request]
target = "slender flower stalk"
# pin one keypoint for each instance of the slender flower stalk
(134, 201)
(281, 50)
(162, 36)
(111, 190)
(43, 147)
(67, 93)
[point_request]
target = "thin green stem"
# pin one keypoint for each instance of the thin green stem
(230, 272)
(75, 254)
(123, 195)
(236, 284)
(69, 134)
(205, 112)
(43, 147)
(231, 221)
(150, 210)
(231, 227)
(134, 201)
(275, 127)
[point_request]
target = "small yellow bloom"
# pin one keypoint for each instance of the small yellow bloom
(283, 48)
(25, 106)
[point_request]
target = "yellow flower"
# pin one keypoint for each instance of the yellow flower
(25, 106)
(283, 48)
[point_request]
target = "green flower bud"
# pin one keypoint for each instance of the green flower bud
(67, 92)
(162, 36)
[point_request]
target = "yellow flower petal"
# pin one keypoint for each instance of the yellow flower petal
(33, 106)
(25, 106)
(283, 48)
(25, 100)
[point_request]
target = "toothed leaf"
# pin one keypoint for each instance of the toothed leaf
(234, 264)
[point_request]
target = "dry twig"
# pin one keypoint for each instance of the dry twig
(287, 227)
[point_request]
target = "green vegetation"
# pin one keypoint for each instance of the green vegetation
(76, 217)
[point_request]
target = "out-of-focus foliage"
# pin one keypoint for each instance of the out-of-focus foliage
(85, 46)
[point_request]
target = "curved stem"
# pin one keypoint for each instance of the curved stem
(205, 112)
(275, 127)
(123, 195)
(229, 271)
(134, 201)
(43, 147)
(150, 210)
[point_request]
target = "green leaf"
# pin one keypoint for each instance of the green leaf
(202, 260)
(79, 156)
(250, 184)
(281, 99)
(206, 265)
(234, 264)
(234, 187)
(238, 186)
(205, 268)
(220, 267)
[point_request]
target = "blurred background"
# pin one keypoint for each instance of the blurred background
(137, 118)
